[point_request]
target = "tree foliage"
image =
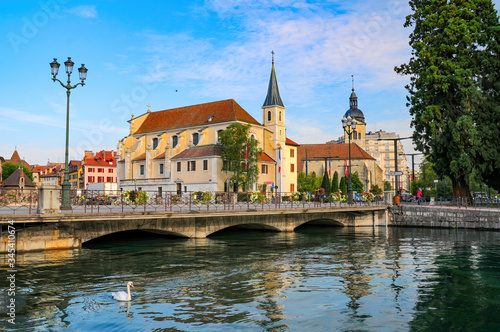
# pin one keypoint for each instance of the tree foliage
(308, 183)
(454, 87)
(357, 185)
(335, 183)
(8, 168)
(343, 185)
(387, 186)
(325, 184)
(235, 141)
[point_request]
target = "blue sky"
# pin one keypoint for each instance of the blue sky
(177, 53)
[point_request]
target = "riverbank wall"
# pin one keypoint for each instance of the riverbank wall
(444, 217)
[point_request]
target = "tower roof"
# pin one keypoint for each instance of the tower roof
(273, 93)
(353, 111)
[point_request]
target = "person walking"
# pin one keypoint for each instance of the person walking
(419, 196)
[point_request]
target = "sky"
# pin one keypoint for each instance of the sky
(176, 53)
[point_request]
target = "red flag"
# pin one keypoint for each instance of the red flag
(346, 168)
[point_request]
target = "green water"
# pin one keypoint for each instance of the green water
(316, 279)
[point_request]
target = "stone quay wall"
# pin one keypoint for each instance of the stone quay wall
(444, 217)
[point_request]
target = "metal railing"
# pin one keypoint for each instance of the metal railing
(17, 201)
(447, 201)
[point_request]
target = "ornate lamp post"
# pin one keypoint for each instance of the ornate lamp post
(349, 125)
(82, 71)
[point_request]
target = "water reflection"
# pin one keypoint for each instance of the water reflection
(319, 279)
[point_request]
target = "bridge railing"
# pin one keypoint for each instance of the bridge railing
(18, 201)
(95, 201)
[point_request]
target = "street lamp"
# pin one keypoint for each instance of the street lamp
(349, 125)
(82, 72)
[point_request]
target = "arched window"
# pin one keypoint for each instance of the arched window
(155, 143)
(196, 138)
(219, 132)
(359, 135)
(175, 140)
(268, 115)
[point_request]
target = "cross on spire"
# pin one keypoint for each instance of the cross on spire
(149, 107)
(352, 77)
(272, 52)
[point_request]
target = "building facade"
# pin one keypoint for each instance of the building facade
(99, 168)
(179, 150)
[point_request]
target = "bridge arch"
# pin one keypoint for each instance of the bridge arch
(320, 221)
(251, 226)
(104, 235)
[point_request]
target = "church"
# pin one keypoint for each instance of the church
(179, 150)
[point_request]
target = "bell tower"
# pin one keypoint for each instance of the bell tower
(273, 118)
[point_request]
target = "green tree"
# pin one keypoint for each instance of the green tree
(357, 185)
(453, 83)
(343, 185)
(325, 184)
(8, 168)
(235, 141)
(387, 186)
(335, 183)
(376, 190)
(301, 182)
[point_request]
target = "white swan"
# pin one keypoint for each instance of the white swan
(122, 296)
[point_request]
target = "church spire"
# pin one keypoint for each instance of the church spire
(353, 99)
(273, 94)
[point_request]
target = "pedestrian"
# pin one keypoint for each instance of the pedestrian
(419, 196)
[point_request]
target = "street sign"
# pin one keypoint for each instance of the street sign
(395, 173)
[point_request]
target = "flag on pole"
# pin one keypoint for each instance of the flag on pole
(246, 155)
(279, 160)
(329, 166)
(307, 170)
(346, 168)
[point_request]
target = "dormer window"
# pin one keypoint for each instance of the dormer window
(155, 143)
(196, 138)
(175, 140)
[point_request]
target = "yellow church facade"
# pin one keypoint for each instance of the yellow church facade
(179, 150)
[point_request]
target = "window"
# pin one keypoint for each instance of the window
(175, 140)
(109, 179)
(292, 168)
(179, 167)
(91, 169)
(90, 179)
(219, 132)
(100, 170)
(280, 115)
(367, 148)
(387, 156)
(141, 169)
(110, 170)
(292, 153)
(155, 143)
(269, 116)
(359, 135)
(100, 179)
(205, 165)
(161, 169)
(191, 165)
(196, 138)
(292, 187)
(264, 169)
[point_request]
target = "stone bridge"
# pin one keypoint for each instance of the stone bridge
(64, 231)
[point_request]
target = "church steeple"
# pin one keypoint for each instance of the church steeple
(353, 99)
(273, 94)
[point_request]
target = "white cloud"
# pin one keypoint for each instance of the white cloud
(84, 11)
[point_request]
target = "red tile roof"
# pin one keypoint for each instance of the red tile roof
(333, 151)
(265, 157)
(200, 151)
(101, 158)
(161, 156)
(195, 115)
(290, 142)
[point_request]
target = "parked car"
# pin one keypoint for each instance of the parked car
(407, 198)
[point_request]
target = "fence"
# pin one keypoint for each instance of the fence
(475, 202)
(96, 201)
(16, 201)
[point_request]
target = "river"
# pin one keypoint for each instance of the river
(315, 279)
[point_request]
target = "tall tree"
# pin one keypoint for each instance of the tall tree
(343, 185)
(325, 184)
(240, 152)
(8, 168)
(335, 182)
(357, 185)
(455, 47)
